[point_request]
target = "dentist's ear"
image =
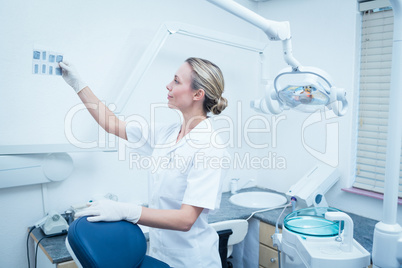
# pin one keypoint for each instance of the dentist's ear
(199, 95)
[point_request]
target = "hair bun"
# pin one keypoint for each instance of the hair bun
(221, 104)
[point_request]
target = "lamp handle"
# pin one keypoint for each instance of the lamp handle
(338, 95)
(270, 96)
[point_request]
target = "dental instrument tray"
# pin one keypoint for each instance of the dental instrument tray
(312, 222)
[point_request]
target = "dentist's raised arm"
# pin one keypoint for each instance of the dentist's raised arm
(99, 111)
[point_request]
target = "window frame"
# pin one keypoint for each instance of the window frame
(382, 5)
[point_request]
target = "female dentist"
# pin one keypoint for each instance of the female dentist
(184, 190)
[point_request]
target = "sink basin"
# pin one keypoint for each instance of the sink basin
(258, 199)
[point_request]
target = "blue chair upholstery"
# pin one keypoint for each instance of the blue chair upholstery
(109, 244)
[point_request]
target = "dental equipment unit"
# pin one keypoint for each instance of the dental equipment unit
(313, 237)
(315, 88)
(305, 89)
(318, 236)
(310, 189)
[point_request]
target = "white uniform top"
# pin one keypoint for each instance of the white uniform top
(188, 172)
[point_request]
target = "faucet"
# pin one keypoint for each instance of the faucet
(347, 241)
(234, 185)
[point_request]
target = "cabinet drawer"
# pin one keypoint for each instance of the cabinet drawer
(266, 231)
(268, 257)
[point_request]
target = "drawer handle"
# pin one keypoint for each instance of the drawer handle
(273, 260)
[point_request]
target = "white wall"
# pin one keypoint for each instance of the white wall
(103, 40)
(325, 34)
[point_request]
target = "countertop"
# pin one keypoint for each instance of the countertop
(54, 247)
(57, 252)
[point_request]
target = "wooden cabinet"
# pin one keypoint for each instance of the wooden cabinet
(268, 256)
(69, 264)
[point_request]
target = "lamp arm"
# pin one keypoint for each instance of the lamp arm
(288, 55)
(276, 31)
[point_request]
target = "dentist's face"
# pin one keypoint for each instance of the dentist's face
(180, 95)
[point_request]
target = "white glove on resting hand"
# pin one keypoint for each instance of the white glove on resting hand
(109, 210)
(71, 76)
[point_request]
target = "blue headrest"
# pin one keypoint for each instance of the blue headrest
(107, 244)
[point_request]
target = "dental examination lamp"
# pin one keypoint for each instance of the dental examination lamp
(304, 89)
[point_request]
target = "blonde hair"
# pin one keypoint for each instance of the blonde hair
(209, 77)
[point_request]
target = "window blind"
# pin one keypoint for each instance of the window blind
(375, 78)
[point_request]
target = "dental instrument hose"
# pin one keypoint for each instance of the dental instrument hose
(264, 210)
(29, 233)
(268, 209)
(37, 244)
(277, 232)
(292, 202)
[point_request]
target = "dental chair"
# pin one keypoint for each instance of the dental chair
(109, 244)
(230, 232)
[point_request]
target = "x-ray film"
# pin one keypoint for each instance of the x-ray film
(58, 71)
(46, 62)
(36, 55)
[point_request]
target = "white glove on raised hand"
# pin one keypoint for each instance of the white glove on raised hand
(71, 76)
(108, 210)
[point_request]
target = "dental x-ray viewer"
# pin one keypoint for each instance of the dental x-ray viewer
(179, 198)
